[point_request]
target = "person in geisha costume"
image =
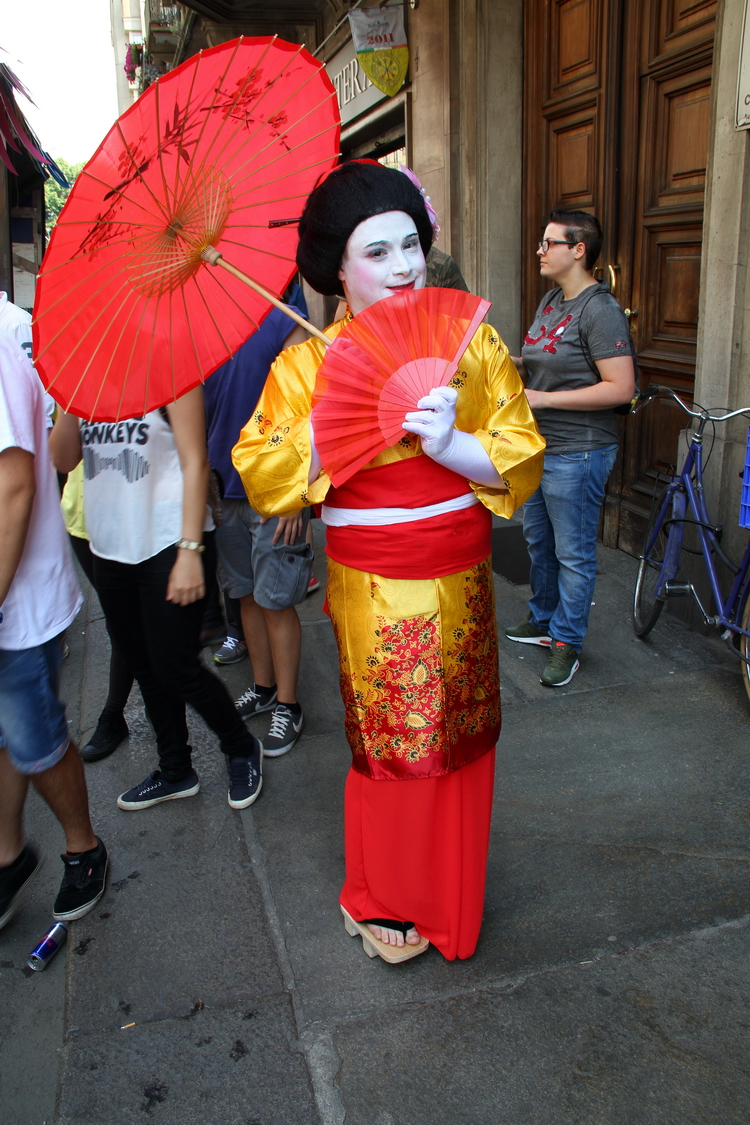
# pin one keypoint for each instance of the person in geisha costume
(411, 602)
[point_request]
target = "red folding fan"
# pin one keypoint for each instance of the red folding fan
(385, 360)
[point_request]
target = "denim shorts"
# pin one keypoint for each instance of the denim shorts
(249, 563)
(33, 727)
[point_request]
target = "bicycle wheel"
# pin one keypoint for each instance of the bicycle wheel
(646, 605)
(745, 644)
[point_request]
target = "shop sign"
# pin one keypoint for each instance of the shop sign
(356, 93)
(742, 117)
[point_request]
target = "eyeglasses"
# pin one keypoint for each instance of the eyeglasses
(545, 244)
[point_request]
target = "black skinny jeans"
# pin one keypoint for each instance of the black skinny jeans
(160, 642)
(120, 676)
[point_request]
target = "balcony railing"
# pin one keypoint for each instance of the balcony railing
(167, 16)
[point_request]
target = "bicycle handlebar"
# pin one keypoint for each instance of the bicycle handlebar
(642, 397)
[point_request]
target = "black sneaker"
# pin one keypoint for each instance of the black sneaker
(253, 701)
(14, 879)
(82, 885)
(111, 731)
(245, 778)
(285, 730)
(155, 788)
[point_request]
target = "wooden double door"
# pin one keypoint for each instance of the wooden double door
(616, 122)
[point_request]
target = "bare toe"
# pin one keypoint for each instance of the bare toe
(413, 937)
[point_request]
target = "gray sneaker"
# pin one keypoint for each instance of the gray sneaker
(253, 702)
(528, 634)
(286, 727)
(231, 652)
(562, 666)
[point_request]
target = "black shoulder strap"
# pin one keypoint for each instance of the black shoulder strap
(584, 341)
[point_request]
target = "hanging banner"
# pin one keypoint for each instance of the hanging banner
(380, 42)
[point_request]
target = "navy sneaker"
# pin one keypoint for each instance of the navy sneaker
(286, 727)
(83, 883)
(245, 778)
(14, 879)
(155, 789)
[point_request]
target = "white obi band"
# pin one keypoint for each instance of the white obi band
(383, 517)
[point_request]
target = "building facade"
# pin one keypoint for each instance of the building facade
(622, 107)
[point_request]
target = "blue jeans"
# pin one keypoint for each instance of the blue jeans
(33, 727)
(560, 522)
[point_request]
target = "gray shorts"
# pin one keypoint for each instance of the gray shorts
(249, 563)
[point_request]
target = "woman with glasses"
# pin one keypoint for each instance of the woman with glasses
(577, 365)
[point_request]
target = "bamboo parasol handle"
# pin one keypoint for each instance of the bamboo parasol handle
(215, 258)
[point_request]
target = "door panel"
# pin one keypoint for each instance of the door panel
(668, 328)
(681, 25)
(575, 47)
(573, 144)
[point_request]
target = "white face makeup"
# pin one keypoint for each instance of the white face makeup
(383, 256)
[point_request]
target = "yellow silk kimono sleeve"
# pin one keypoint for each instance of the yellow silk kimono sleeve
(492, 406)
(273, 453)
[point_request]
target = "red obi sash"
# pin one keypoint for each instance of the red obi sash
(426, 548)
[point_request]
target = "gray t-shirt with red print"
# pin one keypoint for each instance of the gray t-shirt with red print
(556, 361)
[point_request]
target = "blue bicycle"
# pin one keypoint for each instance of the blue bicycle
(682, 503)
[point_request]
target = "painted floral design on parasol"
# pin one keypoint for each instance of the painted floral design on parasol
(204, 167)
(380, 365)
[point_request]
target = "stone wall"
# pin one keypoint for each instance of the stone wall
(465, 117)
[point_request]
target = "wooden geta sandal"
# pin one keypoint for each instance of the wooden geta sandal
(373, 947)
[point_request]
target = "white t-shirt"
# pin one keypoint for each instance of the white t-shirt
(44, 596)
(16, 322)
(132, 488)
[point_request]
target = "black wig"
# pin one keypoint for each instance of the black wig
(352, 193)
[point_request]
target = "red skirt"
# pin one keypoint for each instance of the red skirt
(416, 851)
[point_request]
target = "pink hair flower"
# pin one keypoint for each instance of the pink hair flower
(430, 209)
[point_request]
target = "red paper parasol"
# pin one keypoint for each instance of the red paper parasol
(380, 365)
(127, 315)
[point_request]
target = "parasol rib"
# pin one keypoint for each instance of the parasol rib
(231, 298)
(289, 150)
(214, 258)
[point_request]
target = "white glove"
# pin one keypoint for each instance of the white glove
(434, 424)
(434, 421)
